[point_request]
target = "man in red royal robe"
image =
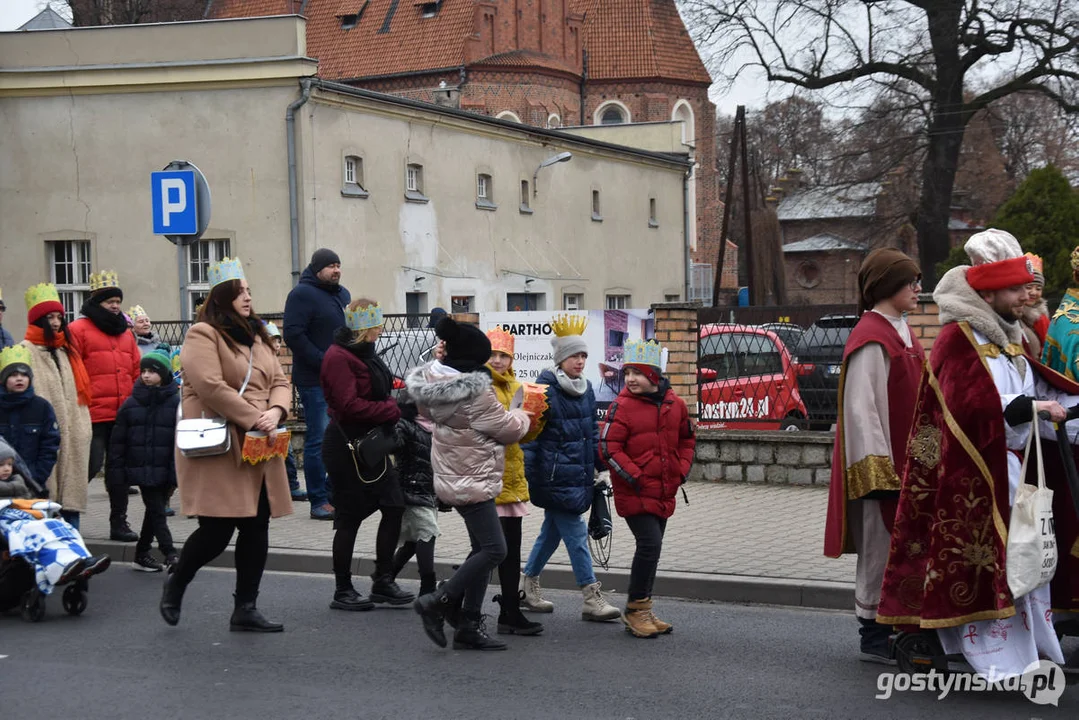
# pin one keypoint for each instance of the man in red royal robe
(878, 384)
(975, 408)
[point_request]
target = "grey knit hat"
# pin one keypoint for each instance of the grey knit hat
(568, 346)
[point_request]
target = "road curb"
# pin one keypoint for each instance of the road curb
(744, 589)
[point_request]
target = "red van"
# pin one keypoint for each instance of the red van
(747, 380)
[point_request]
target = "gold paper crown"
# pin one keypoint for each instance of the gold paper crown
(13, 355)
(40, 293)
(564, 325)
(227, 269)
(1036, 263)
(104, 279)
(1075, 258)
(501, 341)
(136, 311)
(364, 318)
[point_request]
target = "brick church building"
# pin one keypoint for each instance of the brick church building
(547, 63)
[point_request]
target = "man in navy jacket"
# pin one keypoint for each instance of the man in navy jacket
(314, 310)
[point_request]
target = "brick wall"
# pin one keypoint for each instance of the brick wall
(925, 321)
(677, 330)
(836, 277)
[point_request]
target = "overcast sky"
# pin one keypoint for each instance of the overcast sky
(750, 90)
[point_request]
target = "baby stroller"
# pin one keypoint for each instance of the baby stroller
(20, 584)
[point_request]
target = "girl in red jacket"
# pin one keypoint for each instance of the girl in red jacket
(648, 444)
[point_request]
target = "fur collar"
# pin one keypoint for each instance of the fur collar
(959, 302)
(429, 389)
(1030, 315)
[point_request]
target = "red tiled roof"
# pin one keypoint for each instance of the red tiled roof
(638, 39)
(527, 59)
(223, 9)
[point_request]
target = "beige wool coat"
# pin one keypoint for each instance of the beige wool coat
(67, 484)
(213, 373)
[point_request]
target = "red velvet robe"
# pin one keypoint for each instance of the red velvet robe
(947, 559)
(904, 375)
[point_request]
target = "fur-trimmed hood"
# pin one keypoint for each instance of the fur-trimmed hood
(440, 390)
(959, 302)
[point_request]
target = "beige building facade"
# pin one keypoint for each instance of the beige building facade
(426, 206)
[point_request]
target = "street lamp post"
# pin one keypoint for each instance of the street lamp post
(559, 158)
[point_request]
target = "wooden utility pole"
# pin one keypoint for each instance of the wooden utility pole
(752, 286)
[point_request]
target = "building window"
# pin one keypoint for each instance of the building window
(523, 302)
(554, 121)
(416, 307)
(200, 256)
(652, 221)
(618, 302)
(69, 270)
(596, 215)
(671, 298)
(414, 183)
(808, 274)
(462, 303)
(508, 115)
(526, 198)
(612, 113)
(353, 181)
(485, 192)
(430, 9)
(572, 301)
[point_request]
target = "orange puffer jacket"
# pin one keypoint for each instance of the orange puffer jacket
(112, 362)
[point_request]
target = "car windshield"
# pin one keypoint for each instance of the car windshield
(737, 354)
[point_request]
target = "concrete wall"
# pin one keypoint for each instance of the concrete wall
(803, 458)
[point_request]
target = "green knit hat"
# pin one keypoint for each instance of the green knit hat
(160, 363)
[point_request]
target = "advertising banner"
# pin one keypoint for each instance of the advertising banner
(606, 333)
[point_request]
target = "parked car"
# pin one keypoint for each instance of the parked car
(789, 333)
(747, 380)
(820, 355)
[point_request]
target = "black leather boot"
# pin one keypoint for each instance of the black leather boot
(348, 599)
(432, 610)
(511, 621)
(172, 596)
(247, 618)
(384, 589)
(472, 635)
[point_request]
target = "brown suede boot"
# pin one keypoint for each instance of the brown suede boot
(638, 619)
(661, 626)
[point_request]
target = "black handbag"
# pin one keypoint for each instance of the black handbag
(373, 451)
(600, 524)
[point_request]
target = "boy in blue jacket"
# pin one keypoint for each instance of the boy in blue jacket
(27, 421)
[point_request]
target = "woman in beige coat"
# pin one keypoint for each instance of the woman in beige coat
(226, 493)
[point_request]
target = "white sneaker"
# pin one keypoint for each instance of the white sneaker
(532, 597)
(596, 607)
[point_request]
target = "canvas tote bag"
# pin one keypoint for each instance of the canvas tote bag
(1032, 547)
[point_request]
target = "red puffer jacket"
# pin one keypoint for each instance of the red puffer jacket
(112, 362)
(648, 445)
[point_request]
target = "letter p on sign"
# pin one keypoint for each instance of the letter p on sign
(173, 201)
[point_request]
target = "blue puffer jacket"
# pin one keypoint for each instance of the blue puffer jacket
(142, 446)
(28, 423)
(560, 463)
(313, 312)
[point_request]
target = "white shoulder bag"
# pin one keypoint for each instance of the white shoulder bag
(1031, 558)
(203, 437)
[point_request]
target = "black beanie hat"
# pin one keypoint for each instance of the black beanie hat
(467, 347)
(102, 294)
(13, 368)
(323, 257)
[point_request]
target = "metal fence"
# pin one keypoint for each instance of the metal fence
(406, 342)
(771, 367)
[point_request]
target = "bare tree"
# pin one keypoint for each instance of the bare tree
(934, 49)
(130, 12)
(1033, 132)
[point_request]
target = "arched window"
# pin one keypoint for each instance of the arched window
(508, 115)
(612, 113)
(683, 112)
(553, 121)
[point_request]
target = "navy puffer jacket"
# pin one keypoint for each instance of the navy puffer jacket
(560, 463)
(314, 311)
(143, 440)
(28, 423)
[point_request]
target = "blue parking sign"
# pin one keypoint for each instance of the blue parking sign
(174, 202)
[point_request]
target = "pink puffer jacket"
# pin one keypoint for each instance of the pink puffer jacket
(468, 453)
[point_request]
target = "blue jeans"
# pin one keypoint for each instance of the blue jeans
(319, 484)
(570, 528)
(72, 518)
(290, 471)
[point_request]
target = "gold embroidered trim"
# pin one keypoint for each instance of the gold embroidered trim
(946, 622)
(924, 445)
(965, 327)
(873, 472)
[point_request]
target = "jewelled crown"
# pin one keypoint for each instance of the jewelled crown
(136, 311)
(104, 279)
(14, 355)
(41, 293)
(364, 318)
(564, 325)
(501, 341)
(643, 352)
(225, 270)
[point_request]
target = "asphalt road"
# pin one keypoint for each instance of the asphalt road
(119, 660)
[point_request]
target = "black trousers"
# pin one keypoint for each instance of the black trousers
(509, 570)
(212, 537)
(154, 522)
(99, 446)
(648, 532)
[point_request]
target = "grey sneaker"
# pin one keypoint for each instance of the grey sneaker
(147, 563)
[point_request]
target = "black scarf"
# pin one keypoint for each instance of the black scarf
(660, 393)
(381, 377)
(241, 334)
(105, 321)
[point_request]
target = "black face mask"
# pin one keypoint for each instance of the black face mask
(105, 321)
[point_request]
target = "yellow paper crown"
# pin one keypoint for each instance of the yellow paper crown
(40, 293)
(13, 355)
(1035, 262)
(227, 269)
(501, 341)
(564, 325)
(136, 311)
(364, 318)
(104, 279)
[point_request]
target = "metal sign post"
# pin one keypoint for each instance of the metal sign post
(180, 208)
